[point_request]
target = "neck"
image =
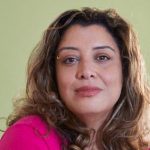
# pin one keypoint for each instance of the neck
(93, 121)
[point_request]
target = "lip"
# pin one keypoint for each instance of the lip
(87, 91)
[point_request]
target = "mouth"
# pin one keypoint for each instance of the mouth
(87, 91)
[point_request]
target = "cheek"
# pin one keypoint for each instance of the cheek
(113, 81)
(64, 80)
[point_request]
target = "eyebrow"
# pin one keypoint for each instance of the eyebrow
(104, 47)
(94, 48)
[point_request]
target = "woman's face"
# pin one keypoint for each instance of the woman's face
(89, 70)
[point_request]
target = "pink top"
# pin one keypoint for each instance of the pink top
(30, 133)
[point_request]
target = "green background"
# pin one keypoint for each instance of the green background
(22, 23)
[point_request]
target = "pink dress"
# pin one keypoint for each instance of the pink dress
(30, 133)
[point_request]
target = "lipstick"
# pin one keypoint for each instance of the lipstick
(87, 91)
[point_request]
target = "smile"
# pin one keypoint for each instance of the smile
(87, 91)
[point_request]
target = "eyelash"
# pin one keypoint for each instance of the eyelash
(74, 59)
(65, 61)
(102, 58)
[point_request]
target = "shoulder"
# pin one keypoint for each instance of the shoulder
(32, 133)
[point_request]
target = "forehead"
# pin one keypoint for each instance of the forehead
(86, 37)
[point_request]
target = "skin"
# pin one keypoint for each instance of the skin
(89, 57)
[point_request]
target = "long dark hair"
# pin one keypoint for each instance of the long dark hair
(125, 127)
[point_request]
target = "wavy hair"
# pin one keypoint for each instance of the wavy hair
(125, 128)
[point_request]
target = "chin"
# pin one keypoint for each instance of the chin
(90, 111)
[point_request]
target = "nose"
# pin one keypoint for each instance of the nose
(85, 71)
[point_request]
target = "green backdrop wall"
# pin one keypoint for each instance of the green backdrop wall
(22, 23)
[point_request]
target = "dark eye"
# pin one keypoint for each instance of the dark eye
(102, 58)
(71, 60)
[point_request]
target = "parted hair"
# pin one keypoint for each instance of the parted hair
(126, 126)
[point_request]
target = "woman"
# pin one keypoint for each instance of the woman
(85, 88)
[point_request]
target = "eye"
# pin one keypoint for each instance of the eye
(102, 58)
(71, 60)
